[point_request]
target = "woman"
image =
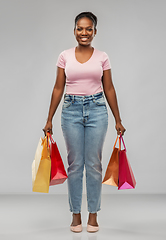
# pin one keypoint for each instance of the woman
(86, 72)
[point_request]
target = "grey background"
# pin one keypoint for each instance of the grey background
(33, 33)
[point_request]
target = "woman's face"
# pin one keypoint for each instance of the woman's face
(84, 31)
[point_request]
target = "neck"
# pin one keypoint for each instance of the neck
(84, 47)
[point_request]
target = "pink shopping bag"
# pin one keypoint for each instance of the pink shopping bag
(126, 176)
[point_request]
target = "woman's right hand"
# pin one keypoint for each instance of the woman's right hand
(48, 128)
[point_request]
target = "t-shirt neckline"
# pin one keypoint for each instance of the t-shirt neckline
(88, 59)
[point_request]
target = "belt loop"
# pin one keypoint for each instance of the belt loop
(93, 97)
(72, 98)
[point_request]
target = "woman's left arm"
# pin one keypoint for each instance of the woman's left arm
(110, 95)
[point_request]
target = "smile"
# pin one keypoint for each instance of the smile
(84, 39)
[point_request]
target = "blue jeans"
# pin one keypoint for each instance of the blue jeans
(84, 122)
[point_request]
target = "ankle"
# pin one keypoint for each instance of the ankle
(92, 220)
(76, 219)
(92, 215)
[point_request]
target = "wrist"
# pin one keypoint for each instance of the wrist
(118, 121)
(49, 120)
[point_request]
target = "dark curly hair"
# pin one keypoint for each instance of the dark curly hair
(89, 15)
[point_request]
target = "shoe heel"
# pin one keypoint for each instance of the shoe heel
(91, 228)
(77, 228)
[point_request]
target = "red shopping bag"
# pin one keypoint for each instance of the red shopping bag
(126, 176)
(58, 173)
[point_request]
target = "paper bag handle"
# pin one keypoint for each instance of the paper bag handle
(116, 142)
(48, 144)
(51, 138)
(121, 138)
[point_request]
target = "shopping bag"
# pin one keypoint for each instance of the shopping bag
(41, 167)
(36, 161)
(112, 171)
(58, 173)
(126, 176)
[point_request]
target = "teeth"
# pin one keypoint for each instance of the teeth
(84, 38)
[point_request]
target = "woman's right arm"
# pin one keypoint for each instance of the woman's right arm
(55, 98)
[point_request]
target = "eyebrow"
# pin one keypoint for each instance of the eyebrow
(87, 27)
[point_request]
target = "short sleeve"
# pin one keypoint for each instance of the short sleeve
(61, 62)
(106, 62)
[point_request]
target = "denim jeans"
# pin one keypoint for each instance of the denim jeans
(84, 122)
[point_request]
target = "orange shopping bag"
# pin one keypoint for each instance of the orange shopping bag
(112, 171)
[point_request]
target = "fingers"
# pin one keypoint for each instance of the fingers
(44, 131)
(50, 131)
(120, 129)
(47, 129)
(121, 132)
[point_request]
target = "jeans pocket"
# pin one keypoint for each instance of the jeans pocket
(100, 101)
(67, 102)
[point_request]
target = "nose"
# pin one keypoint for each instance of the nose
(84, 32)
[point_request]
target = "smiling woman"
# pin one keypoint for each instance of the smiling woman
(85, 28)
(86, 72)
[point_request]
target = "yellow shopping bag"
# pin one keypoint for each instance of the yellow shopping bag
(41, 167)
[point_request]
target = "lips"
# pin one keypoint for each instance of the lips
(84, 39)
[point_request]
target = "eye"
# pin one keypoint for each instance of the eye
(79, 29)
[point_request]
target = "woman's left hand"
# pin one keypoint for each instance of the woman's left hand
(120, 129)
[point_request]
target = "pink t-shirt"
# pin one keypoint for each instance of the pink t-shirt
(83, 78)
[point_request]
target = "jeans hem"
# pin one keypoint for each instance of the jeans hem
(75, 212)
(94, 211)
